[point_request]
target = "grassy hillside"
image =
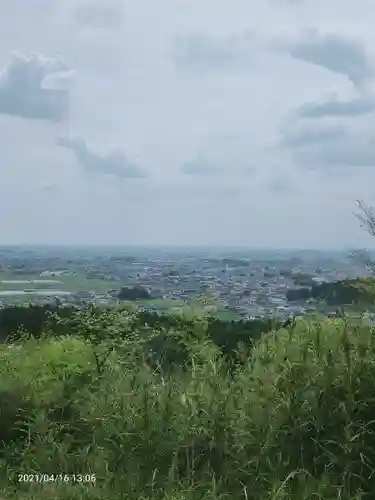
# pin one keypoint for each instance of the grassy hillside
(96, 409)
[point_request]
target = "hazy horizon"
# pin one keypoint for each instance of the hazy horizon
(214, 248)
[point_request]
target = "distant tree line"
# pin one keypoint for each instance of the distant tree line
(302, 279)
(36, 320)
(134, 293)
(357, 291)
(228, 261)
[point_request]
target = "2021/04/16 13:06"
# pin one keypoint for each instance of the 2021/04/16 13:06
(56, 478)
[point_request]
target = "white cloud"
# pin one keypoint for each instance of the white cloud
(316, 144)
(199, 167)
(298, 134)
(285, 132)
(114, 163)
(49, 187)
(107, 14)
(362, 105)
(335, 52)
(35, 87)
(354, 151)
(201, 51)
(280, 185)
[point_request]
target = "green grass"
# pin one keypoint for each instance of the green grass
(69, 283)
(227, 315)
(164, 303)
(295, 421)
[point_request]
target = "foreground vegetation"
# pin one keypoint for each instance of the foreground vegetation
(359, 291)
(154, 408)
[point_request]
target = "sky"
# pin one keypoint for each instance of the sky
(241, 123)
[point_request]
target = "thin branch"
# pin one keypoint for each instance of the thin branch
(366, 216)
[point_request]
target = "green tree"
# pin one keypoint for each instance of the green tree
(133, 293)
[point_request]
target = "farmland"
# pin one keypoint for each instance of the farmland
(68, 283)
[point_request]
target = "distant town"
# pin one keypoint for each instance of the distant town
(238, 284)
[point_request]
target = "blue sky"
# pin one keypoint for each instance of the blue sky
(186, 123)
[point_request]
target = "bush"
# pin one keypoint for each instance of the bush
(134, 293)
(293, 420)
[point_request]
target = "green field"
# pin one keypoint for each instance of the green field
(68, 283)
(157, 303)
(78, 283)
(227, 315)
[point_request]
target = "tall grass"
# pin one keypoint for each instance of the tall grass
(295, 420)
